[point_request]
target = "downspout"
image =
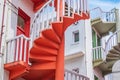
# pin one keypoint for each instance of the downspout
(1, 33)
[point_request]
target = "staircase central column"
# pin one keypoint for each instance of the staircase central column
(60, 63)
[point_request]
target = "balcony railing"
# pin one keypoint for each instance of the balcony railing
(98, 53)
(74, 6)
(43, 18)
(70, 75)
(113, 40)
(97, 13)
(51, 13)
(17, 49)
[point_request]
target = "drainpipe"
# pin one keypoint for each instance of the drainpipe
(1, 33)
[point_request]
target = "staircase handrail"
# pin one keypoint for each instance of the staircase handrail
(42, 19)
(17, 49)
(108, 16)
(76, 74)
(111, 42)
(19, 37)
(98, 53)
(99, 9)
(40, 10)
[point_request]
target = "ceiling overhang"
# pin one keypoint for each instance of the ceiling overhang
(38, 4)
(102, 27)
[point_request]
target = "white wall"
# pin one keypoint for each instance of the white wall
(1, 11)
(10, 23)
(6, 75)
(116, 70)
(12, 14)
(84, 45)
(70, 46)
(88, 47)
(1, 56)
(74, 63)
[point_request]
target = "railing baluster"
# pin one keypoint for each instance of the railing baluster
(11, 50)
(97, 53)
(74, 6)
(69, 2)
(63, 7)
(70, 75)
(17, 46)
(58, 10)
(21, 48)
(78, 6)
(25, 49)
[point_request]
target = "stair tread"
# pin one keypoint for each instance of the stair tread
(37, 58)
(44, 52)
(117, 48)
(51, 35)
(112, 55)
(67, 21)
(112, 58)
(43, 66)
(46, 43)
(114, 51)
(58, 28)
(40, 51)
(77, 17)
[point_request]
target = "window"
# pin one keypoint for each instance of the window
(76, 36)
(21, 22)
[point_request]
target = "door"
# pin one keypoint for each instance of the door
(23, 27)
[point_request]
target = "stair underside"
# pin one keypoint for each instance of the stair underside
(112, 56)
(45, 50)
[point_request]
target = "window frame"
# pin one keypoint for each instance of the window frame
(76, 34)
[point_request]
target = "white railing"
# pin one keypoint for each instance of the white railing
(97, 13)
(70, 75)
(50, 13)
(43, 18)
(74, 6)
(98, 53)
(17, 49)
(113, 40)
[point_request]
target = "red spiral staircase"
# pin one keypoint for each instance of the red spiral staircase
(46, 54)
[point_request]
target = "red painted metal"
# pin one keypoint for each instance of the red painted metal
(41, 67)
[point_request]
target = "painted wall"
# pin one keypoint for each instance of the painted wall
(6, 75)
(116, 70)
(84, 45)
(1, 11)
(88, 49)
(12, 15)
(78, 62)
(10, 23)
(70, 46)
(1, 56)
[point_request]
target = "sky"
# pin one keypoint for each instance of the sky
(105, 5)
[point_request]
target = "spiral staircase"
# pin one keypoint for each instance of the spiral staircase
(47, 52)
(104, 59)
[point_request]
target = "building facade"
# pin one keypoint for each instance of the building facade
(45, 40)
(105, 40)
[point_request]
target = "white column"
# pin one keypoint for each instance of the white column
(118, 22)
(88, 51)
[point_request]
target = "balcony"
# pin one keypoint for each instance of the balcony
(104, 59)
(98, 55)
(103, 22)
(70, 75)
(17, 52)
